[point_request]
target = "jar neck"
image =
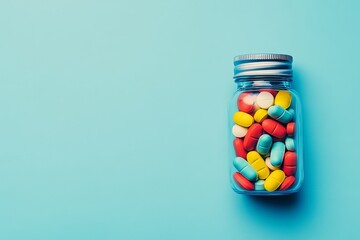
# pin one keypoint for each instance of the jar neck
(254, 83)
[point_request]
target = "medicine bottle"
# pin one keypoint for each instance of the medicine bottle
(265, 126)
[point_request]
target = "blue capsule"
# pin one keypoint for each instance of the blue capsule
(245, 169)
(290, 144)
(280, 114)
(277, 154)
(259, 185)
(264, 144)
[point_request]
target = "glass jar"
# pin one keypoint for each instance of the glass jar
(265, 127)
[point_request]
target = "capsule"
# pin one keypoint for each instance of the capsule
(277, 154)
(283, 99)
(273, 92)
(260, 115)
(291, 111)
(264, 144)
(290, 144)
(269, 165)
(243, 182)
(245, 169)
(287, 183)
(243, 119)
(258, 163)
(264, 100)
(245, 102)
(239, 148)
(259, 185)
(280, 114)
(290, 129)
(252, 136)
(274, 128)
(239, 131)
(274, 180)
(290, 163)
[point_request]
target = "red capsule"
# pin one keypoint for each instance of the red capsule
(290, 163)
(245, 103)
(243, 182)
(274, 128)
(252, 136)
(239, 148)
(288, 182)
(290, 129)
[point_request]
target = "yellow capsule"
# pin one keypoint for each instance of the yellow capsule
(274, 180)
(260, 115)
(258, 163)
(243, 119)
(283, 99)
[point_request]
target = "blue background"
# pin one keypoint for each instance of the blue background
(114, 118)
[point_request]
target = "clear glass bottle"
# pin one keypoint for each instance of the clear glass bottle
(265, 127)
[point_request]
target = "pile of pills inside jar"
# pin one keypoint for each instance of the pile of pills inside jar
(264, 141)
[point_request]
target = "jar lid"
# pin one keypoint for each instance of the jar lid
(267, 64)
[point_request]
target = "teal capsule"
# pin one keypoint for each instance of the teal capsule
(280, 114)
(264, 143)
(259, 185)
(292, 112)
(290, 144)
(245, 169)
(277, 154)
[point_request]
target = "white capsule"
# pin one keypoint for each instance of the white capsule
(269, 165)
(239, 131)
(253, 96)
(265, 100)
(249, 99)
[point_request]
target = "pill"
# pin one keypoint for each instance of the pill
(252, 136)
(256, 106)
(243, 182)
(277, 154)
(290, 163)
(283, 99)
(290, 129)
(264, 144)
(274, 180)
(280, 114)
(274, 128)
(290, 144)
(258, 163)
(239, 131)
(273, 92)
(259, 185)
(269, 165)
(243, 119)
(291, 111)
(239, 148)
(245, 169)
(246, 102)
(265, 100)
(260, 115)
(287, 183)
